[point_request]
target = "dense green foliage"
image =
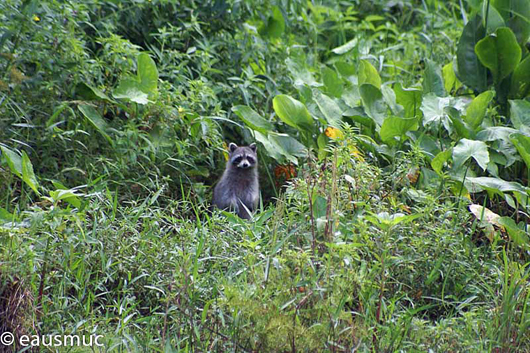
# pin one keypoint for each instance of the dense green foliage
(394, 147)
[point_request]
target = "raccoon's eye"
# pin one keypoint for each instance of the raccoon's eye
(251, 160)
(237, 160)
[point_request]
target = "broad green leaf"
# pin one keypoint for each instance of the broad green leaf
(518, 235)
(252, 119)
(343, 49)
(449, 78)
(494, 20)
(520, 87)
(272, 151)
(516, 14)
(522, 143)
(432, 79)
(394, 126)
(95, 119)
(520, 113)
(434, 109)
(130, 89)
(332, 82)
(410, 99)
(494, 133)
(368, 74)
(438, 162)
(275, 25)
(300, 72)
(292, 112)
(469, 69)
(373, 103)
(13, 159)
(147, 75)
(88, 92)
(287, 146)
(389, 96)
(499, 52)
(476, 111)
(27, 173)
(345, 69)
(466, 149)
(67, 195)
(462, 128)
(329, 108)
(5, 215)
(497, 185)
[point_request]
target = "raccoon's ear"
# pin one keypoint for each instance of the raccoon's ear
(232, 147)
(253, 147)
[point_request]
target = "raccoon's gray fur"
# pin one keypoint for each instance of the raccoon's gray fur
(238, 188)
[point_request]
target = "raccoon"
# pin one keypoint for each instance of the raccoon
(238, 188)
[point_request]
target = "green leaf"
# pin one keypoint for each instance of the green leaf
(329, 108)
(494, 133)
(332, 82)
(292, 112)
(466, 149)
(476, 111)
(441, 158)
(497, 185)
(90, 93)
(394, 126)
(373, 103)
(522, 143)
(27, 173)
(147, 75)
(252, 119)
(343, 49)
(520, 113)
(345, 69)
(13, 159)
(461, 127)
(368, 74)
(95, 119)
(449, 77)
(410, 99)
(272, 151)
(516, 14)
(469, 69)
(518, 235)
(435, 109)
(130, 90)
(520, 87)
(300, 72)
(499, 52)
(432, 79)
(275, 25)
(67, 195)
(495, 19)
(287, 146)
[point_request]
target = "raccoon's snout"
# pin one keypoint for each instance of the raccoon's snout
(244, 165)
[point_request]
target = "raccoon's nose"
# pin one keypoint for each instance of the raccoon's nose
(245, 165)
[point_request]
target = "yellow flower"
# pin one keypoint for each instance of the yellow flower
(36, 18)
(181, 110)
(356, 153)
(333, 133)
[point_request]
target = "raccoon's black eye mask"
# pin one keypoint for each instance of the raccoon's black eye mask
(237, 160)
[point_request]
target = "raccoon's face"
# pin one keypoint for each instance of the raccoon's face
(244, 157)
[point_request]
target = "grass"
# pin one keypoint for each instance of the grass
(370, 265)
(360, 251)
